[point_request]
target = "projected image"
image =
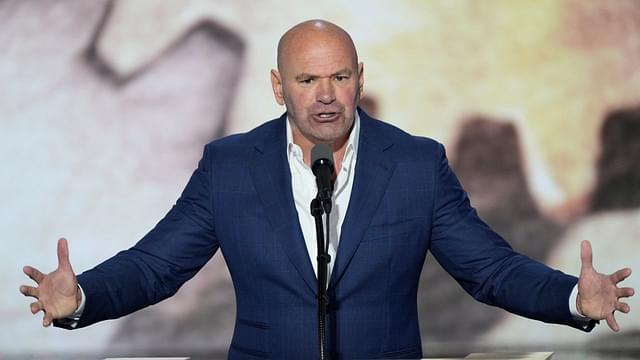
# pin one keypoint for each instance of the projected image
(109, 104)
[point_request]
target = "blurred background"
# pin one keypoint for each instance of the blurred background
(106, 106)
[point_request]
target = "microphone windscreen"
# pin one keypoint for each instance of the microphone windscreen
(322, 151)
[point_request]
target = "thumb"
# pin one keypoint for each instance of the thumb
(586, 255)
(63, 255)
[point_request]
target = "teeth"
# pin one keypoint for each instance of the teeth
(325, 115)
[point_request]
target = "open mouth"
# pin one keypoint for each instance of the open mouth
(326, 116)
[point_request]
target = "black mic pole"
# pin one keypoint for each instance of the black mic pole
(322, 166)
(323, 260)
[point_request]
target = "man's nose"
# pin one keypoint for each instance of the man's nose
(325, 91)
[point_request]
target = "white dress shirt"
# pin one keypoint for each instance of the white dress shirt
(303, 184)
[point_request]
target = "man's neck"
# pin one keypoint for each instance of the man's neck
(339, 147)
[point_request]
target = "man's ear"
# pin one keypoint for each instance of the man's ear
(276, 86)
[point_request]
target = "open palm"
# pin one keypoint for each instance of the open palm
(56, 293)
(599, 294)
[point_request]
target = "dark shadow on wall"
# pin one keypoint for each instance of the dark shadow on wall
(618, 168)
(369, 104)
(488, 162)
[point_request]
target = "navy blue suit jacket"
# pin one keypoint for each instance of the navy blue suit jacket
(405, 201)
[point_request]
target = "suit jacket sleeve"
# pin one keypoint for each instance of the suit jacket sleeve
(155, 268)
(486, 266)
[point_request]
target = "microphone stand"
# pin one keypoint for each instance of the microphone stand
(321, 205)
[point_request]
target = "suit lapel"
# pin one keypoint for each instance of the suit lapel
(272, 179)
(374, 168)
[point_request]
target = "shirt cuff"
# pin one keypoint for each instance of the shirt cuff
(573, 307)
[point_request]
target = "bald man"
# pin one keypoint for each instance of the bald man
(395, 198)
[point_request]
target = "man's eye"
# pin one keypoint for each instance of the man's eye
(305, 81)
(341, 77)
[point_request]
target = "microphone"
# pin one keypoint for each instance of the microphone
(322, 167)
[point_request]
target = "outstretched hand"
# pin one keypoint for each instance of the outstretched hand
(56, 293)
(598, 294)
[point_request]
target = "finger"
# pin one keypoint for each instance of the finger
(35, 307)
(46, 320)
(625, 292)
(613, 324)
(29, 291)
(586, 255)
(63, 254)
(33, 273)
(623, 307)
(620, 275)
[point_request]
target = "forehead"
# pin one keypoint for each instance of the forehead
(318, 54)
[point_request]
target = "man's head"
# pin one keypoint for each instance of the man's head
(319, 80)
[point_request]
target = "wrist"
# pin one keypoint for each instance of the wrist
(578, 307)
(78, 297)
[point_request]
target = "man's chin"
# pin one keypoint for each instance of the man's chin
(331, 138)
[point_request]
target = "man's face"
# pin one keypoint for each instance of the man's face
(319, 82)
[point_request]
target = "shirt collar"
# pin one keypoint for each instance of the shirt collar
(349, 153)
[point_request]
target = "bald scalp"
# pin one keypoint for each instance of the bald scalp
(309, 31)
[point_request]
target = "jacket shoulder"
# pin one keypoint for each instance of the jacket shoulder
(236, 147)
(404, 142)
